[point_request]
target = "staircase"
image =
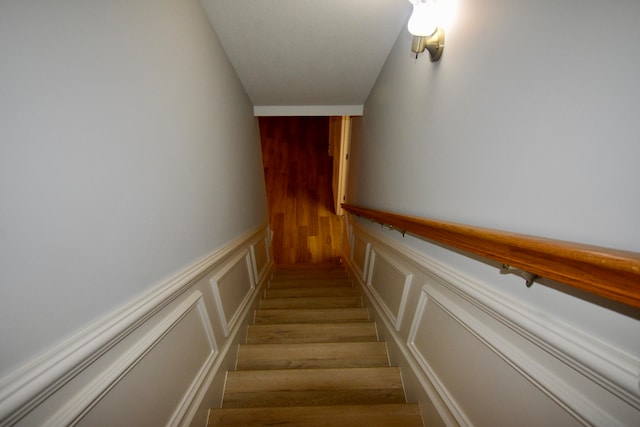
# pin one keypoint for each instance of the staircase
(313, 358)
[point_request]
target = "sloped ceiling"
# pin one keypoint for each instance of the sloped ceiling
(307, 52)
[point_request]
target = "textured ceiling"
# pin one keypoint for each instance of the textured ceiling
(304, 52)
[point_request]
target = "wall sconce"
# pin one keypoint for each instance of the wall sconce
(423, 24)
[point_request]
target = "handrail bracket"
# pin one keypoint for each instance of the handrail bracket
(528, 277)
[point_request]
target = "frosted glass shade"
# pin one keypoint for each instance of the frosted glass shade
(424, 19)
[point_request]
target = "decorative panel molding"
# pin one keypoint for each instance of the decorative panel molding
(389, 282)
(360, 251)
(190, 399)
(100, 358)
(416, 350)
(260, 257)
(232, 288)
(435, 316)
(189, 314)
(592, 382)
(614, 370)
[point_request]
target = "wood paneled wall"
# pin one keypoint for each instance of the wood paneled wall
(298, 173)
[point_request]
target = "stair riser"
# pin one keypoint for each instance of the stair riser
(277, 283)
(312, 398)
(306, 275)
(311, 302)
(312, 333)
(312, 292)
(311, 315)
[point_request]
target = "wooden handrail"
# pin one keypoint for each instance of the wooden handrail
(609, 273)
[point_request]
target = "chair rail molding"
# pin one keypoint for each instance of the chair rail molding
(90, 395)
(120, 340)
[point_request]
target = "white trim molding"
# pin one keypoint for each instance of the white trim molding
(362, 270)
(308, 110)
(528, 367)
(397, 315)
(454, 408)
(260, 270)
(445, 408)
(592, 381)
(190, 399)
(228, 321)
(91, 394)
(23, 391)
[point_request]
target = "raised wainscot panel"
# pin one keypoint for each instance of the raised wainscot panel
(360, 256)
(156, 356)
(232, 287)
(389, 283)
(260, 257)
(154, 382)
(487, 391)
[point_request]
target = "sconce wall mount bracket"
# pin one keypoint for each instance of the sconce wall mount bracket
(434, 44)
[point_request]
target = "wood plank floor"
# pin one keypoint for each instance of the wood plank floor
(298, 173)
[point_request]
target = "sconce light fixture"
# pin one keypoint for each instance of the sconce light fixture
(423, 24)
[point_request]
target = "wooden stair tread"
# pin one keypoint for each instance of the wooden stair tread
(312, 397)
(308, 269)
(311, 302)
(280, 283)
(381, 415)
(316, 379)
(306, 275)
(312, 358)
(311, 292)
(300, 387)
(311, 315)
(336, 275)
(312, 332)
(311, 273)
(312, 355)
(329, 265)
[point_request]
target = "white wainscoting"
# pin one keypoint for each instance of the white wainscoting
(231, 288)
(155, 355)
(154, 361)
(261, 255)
(483, 358)
(466, 361)
(360, 251)
(389, 283)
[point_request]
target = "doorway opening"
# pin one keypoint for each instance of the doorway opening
(299, 177)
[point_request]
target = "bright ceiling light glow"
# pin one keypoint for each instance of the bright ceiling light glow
(424, 19)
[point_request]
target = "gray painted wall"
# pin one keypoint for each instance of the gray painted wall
(529, 124)
(516, 128)
(128, 151)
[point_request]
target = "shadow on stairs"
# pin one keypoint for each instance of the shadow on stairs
(313, 358)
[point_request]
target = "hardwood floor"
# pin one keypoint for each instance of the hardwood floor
(298, 173)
